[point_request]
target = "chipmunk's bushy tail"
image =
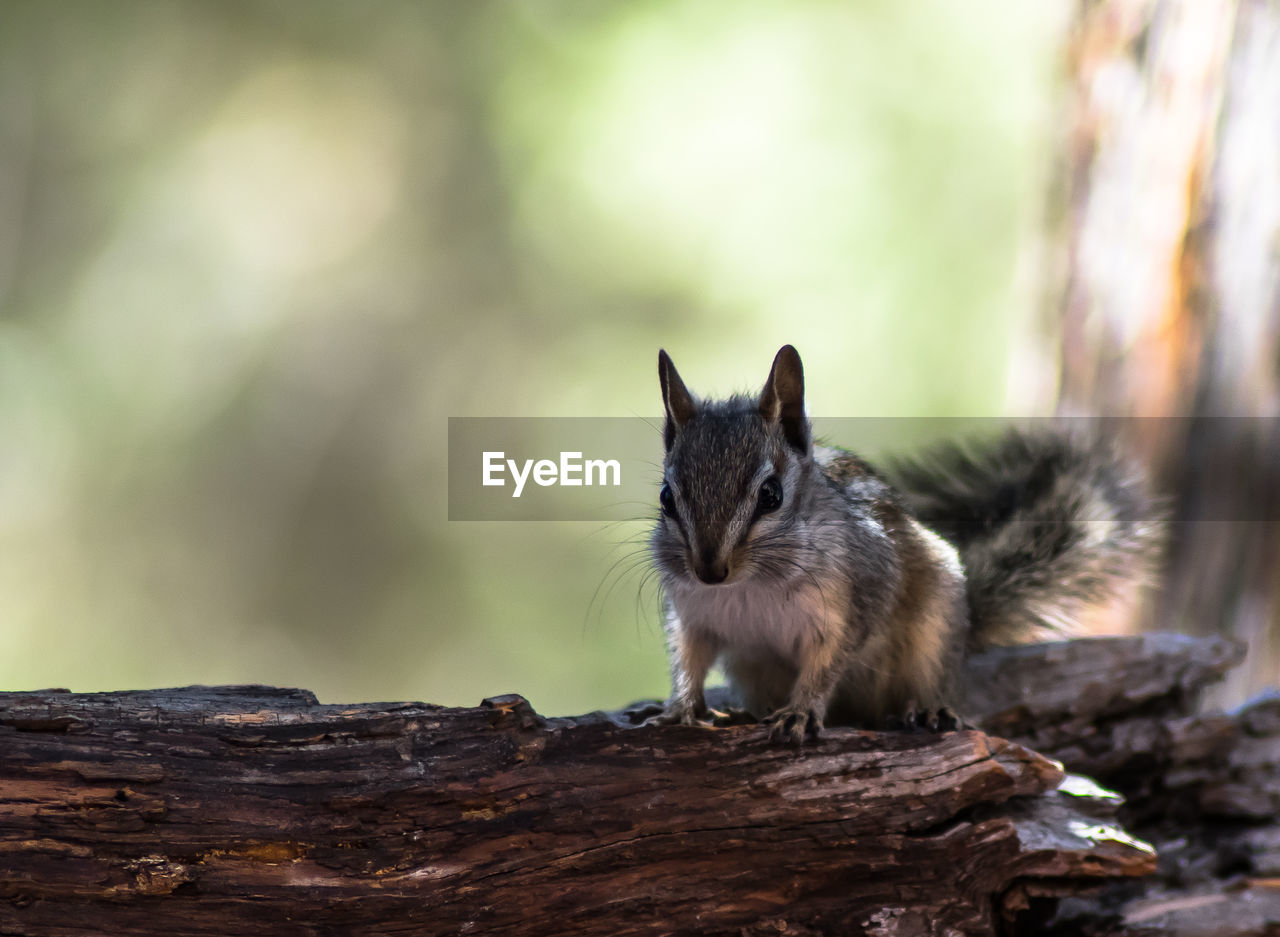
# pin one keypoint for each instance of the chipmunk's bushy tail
(1050, 527)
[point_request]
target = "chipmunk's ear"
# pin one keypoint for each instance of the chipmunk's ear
(782, 400)
(676, 398)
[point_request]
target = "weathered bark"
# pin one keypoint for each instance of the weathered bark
(1204, 789)
(249, 810)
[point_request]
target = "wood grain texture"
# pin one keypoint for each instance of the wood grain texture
(1202, 787)
(256, 810)
(253, 810)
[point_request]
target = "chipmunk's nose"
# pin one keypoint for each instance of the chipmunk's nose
(709, 569)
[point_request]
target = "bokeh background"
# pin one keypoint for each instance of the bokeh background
(253, 255)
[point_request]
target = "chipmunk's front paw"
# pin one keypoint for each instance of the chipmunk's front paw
(792, 724)
(916, 719)
(685, 714)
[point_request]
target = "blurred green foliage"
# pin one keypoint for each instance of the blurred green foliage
(254, 255)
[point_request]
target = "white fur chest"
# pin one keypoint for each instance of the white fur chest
(749, 615)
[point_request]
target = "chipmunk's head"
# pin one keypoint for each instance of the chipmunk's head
(730, 477)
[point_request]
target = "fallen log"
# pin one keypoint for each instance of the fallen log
(251, 810)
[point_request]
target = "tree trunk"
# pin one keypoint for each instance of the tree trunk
(1171, 306)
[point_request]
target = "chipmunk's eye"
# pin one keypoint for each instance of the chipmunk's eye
(667, 500)
(770, 495)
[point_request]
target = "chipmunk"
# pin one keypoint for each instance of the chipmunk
(829, 591)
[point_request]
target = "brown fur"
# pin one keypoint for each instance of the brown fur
(817, 586)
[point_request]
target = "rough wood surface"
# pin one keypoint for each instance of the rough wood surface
(253, 810)
(249, 810)
(1204, 789)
